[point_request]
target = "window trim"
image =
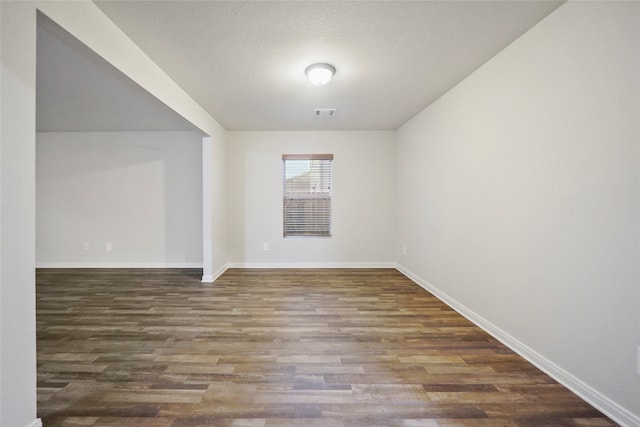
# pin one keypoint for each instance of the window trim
(307, 157)
(286, 157)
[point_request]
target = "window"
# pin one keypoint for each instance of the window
(307, 194)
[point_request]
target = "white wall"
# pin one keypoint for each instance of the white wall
(363, 185)
(526, 177)
(140, 191)
(219, 210)
(17, 217)
(214, 160)
(17, 147)
(519, 198)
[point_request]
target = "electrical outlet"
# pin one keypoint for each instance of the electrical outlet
(265, 246)
(108, 246)
(404, 250)
(638, 357)
(86, 246)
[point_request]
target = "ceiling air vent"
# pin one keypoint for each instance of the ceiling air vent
(326, 113)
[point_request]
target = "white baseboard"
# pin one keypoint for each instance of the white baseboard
(586, 392)
(36, 423)
(213, 277)
(312, 265)
(118, 265)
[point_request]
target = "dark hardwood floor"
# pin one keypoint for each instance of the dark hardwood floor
(276, 348)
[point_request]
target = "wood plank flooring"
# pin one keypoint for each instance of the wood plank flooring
(336, 348)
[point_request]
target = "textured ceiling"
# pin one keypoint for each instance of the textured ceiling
(244, 62)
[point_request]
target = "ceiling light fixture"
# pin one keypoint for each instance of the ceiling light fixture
(320, 74)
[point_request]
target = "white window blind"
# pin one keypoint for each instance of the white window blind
(307, 194)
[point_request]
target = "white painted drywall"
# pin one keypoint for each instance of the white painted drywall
(17, 146)
(518, 194)
(17, 218)
(207, 215)
(363, 198)
(139, 191)
(214, 165)
(219, 208)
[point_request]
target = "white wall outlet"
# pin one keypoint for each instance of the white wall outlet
(265, 246)
(108, 246)
(404, 250)
(86, 246)
(638, 357)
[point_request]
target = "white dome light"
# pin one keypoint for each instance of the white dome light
(320, 74)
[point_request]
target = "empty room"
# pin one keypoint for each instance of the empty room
(319, 213)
